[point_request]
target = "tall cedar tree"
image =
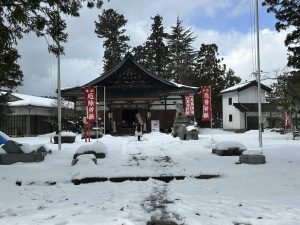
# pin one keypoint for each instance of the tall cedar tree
(140, 53)
(181, 53)
(154, 53)
(109, 28)
(20, 17)
(287, 12)
(279, 95)
(209, 71)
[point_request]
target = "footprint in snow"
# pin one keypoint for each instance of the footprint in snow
(62, 223)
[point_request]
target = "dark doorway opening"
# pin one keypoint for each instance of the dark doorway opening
(128, 118)
(252, 123)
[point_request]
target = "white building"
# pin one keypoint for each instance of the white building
(30, 115)
(240, 106)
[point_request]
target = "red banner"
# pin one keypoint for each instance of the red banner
(206, 101)
(90, 104)
(189, 105)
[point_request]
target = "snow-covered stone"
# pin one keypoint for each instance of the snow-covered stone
(228, 148)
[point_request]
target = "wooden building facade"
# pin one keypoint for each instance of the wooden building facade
(129, 89)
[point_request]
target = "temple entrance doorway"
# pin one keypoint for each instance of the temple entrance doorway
(129, 118)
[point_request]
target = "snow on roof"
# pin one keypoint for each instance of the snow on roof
(26, 100)
(242, 86)
(181, 85)
(235, 87)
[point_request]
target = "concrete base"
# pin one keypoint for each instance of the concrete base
(253, 159)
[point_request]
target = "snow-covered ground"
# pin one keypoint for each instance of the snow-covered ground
(245, 194)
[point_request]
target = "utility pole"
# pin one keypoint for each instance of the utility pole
(58, 102)
(260, 124)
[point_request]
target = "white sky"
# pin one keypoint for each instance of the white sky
(224, 22)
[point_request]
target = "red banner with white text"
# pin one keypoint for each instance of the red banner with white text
(189, 105)
(206, 103)
(90, 100)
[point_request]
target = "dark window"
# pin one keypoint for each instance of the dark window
(230, 118)
(229, 101)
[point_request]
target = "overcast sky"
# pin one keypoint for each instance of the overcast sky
(224, 22)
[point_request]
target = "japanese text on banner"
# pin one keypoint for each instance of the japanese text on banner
(90, 104)
(206, 111)
(189, 105)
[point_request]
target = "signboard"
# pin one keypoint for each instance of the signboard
(206, 103)
(90, 104)
(154, 125)
(189, 105)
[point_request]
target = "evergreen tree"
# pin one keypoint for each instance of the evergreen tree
(139, 53)
(109, 27)
(181, 53)
(4, 108)
(209, 71)
(280, 95)
(153, 54)
(287, 14)
(231, 79)
(42, 17)
(157, 51)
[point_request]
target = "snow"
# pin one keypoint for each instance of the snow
(191, 127)
(66, 134)
(237, 86)
(227, 145)
(252, 152)
(266, 194)
(2, 151)
(97, 147)
(240, 85)
(182, 85)
(6, 137)
(30, 100)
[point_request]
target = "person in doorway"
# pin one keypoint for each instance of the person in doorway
(138, 131)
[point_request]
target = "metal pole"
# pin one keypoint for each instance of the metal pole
(97, 125)
(58, 102)
(104, 108)
(210, 113)
(260, 124)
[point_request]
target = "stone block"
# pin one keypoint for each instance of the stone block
(192, 135)
(98, 155)
(7, 159)
(12, 147)
(182, 132)
(65, 139)
(227, 152)
(253, 159)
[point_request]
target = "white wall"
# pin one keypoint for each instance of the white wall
(249, 95)
(237, 116)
